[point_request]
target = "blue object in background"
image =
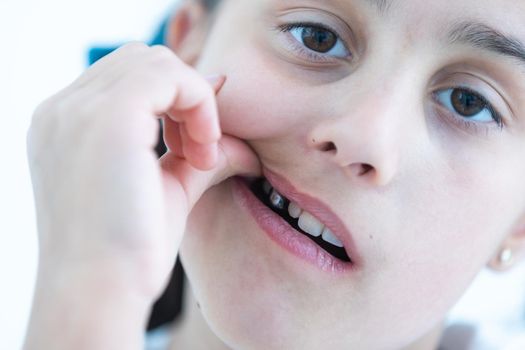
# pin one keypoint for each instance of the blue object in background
(97, 52)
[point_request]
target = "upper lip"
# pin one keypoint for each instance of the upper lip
(317, 208)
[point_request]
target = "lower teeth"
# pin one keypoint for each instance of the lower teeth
(279, 205)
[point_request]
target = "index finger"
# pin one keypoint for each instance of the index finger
(201, 122)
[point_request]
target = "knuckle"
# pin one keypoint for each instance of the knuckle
(164, 56)
(154, 62)
(42, 113)
(133, 46)
(56, 113)
(162, 50)
(40, 127)
(130, 49)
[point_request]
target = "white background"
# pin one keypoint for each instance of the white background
(43, 48)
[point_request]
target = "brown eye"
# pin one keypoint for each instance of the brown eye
(470, 106)
(466, 103)
(316, 42)
(318, 39)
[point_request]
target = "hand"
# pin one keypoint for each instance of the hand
(110, 215)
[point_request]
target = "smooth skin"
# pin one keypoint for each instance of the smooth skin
(110, 226)
(429, 201)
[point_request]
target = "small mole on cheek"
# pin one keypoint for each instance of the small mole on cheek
(371, 237)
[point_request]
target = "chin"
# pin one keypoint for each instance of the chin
(231, 280)
(256, 294)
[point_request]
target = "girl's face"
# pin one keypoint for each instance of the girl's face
(399, 126)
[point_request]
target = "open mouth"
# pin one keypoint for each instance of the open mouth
(299, 219)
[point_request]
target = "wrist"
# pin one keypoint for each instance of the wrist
(82, 311)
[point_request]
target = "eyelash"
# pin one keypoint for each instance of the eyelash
(460, 121)
(307, 53)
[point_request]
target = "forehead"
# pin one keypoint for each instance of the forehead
(502, 9)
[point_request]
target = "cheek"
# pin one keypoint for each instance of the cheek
(451, 227)
(253, 111)
(460, 212)
(254, 104)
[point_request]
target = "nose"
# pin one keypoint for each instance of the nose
(363, 140)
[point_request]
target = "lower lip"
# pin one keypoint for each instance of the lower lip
(286, 236)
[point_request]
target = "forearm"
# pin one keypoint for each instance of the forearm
(85, 313)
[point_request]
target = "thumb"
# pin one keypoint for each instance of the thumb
(235, 158)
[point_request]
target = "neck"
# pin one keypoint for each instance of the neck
(191, 330)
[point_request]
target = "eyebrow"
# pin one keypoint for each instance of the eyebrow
(486, 38)
(474, 34)
(382, 6)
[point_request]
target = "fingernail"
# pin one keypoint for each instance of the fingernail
(216, 81)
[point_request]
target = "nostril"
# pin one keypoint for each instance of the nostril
(328, 147)
(365, 168)
(360, 169)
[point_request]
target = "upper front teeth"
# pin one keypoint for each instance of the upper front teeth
(307, 222)
(294, 210)
(310, 225)
(330, 238)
